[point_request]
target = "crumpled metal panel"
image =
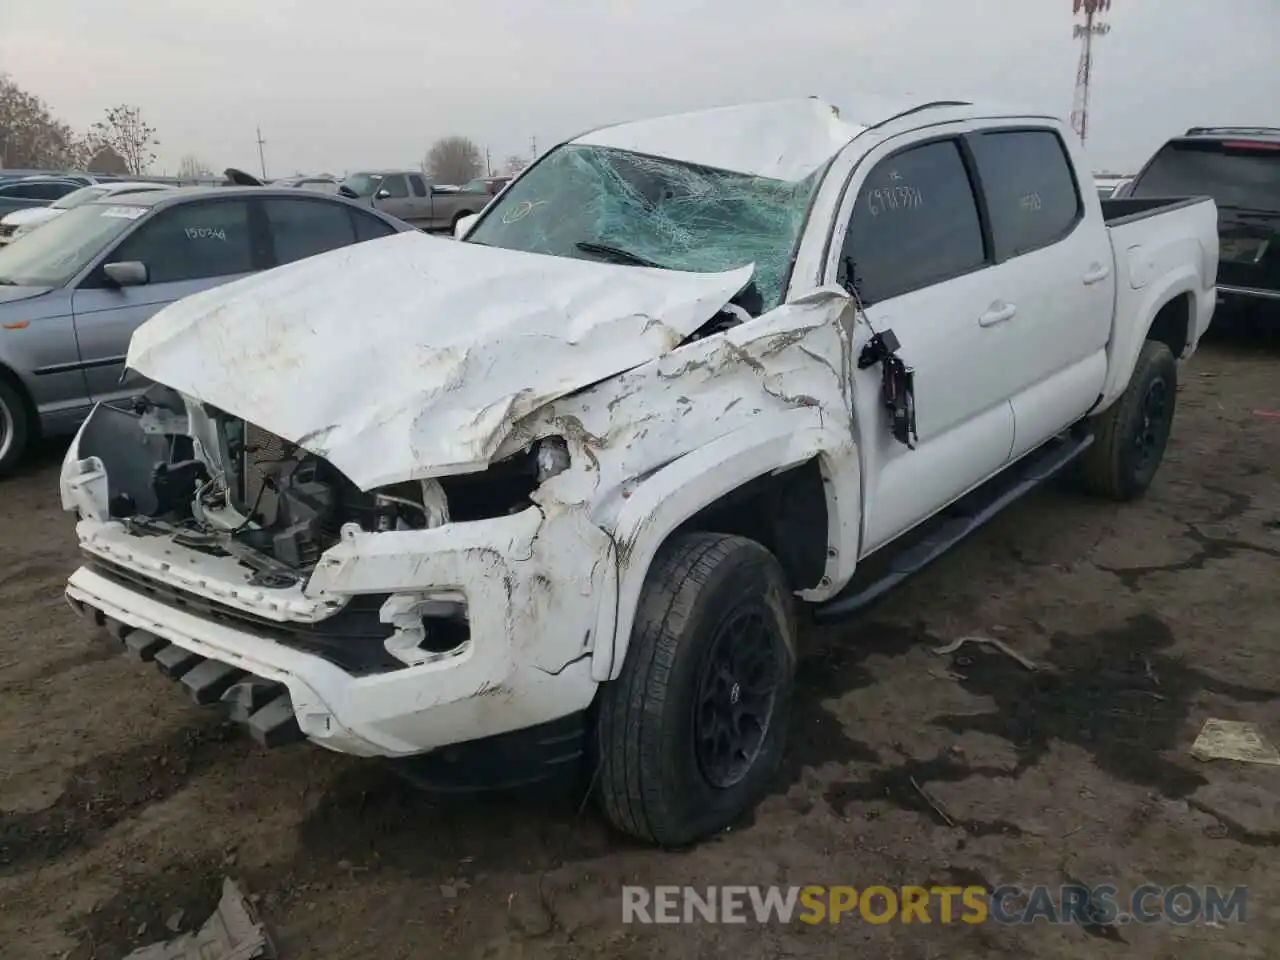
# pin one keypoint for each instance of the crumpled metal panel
(232, 932)
(413, 356)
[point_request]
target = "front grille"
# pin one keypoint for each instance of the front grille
(352, 639)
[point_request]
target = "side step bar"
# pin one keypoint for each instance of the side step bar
(262, 706)
(956, 523)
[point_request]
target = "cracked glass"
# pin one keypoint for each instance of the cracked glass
(598, 203)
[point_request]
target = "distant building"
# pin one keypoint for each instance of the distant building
(108, 161)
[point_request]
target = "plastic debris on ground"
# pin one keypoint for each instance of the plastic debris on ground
(1232, 740)
(1000, 645)
(232, 932)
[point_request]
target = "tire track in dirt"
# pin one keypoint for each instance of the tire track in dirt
(107, 790)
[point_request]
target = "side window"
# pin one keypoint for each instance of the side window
(369, 228)
(396, 186)
(45, 191)
(915, 223)
(303, 228)
(419, 186)
(1030, 189)
(194, 241)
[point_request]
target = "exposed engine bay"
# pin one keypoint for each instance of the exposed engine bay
(222, 486)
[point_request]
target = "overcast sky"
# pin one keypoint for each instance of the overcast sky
(342, 85)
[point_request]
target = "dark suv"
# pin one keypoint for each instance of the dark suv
(1240, 168)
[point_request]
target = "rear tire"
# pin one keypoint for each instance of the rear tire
(15, 427)
(689, 736)
(1130, 437)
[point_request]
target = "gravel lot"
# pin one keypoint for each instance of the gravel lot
(121, 804)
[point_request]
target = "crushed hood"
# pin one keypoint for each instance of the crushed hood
(414, 356)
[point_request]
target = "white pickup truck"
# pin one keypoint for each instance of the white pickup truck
(554, 492)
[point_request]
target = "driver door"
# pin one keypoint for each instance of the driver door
(915, 252)
(186, 249)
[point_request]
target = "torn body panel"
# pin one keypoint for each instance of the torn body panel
(667, 439)
(539, 597)
(426, 377)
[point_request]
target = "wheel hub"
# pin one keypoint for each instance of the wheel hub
(1155, 419)
(736, 697)
(6, 430)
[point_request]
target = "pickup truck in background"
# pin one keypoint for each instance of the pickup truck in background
(1239, 167)
(406, 195)
(681, 377)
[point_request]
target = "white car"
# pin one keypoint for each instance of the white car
(555, 491)
(22, 222)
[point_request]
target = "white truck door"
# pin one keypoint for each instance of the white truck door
(1054, 259)
(918, 258)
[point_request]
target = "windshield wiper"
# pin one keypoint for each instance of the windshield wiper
(617, 253)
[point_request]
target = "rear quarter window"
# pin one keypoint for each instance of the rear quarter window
(1030, 188)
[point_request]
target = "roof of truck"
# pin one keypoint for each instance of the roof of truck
(1263, 134)
(781, 139)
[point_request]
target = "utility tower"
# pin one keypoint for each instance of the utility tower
(1085, 32)
(262, 160)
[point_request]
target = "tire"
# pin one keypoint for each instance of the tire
(1131, 436)
(15, 427)
(657, 778)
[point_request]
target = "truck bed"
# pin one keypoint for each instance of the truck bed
(1165, 249)
(1127, 210)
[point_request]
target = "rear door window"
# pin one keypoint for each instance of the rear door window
(304, 228)
(915, 223)
(418, 184)
(1237, 173)
(1029, 186)
(194, 241)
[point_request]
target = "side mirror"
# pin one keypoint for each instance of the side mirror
(382, 194)
(127, 273)
(464, 225)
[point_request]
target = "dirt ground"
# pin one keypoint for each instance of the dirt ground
(121, 804)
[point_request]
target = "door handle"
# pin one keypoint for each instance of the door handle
(1097, 273)
(997, 314)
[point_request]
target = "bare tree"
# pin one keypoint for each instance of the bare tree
(129, 135)
(514, 164)
(192, 167)
(30, 136)
(453, 160)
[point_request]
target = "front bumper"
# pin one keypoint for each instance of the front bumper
(533, 588)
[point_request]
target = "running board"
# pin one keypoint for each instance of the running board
(957, 522)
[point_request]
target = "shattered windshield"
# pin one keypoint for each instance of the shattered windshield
(597, 203)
